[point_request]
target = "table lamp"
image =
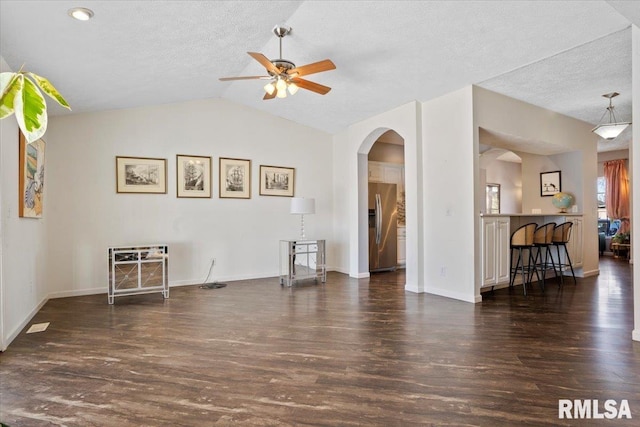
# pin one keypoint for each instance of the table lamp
(301, 206)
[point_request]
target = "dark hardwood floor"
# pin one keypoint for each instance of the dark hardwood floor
(350, 352)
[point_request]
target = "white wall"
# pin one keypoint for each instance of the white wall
(23, 251)
(572, 181)
(87, 215)
(449, 188)
(509, 176)
(343, 174)
(570, 166)
(635, 161)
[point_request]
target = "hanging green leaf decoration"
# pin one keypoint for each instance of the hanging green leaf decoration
(10, 86)
(31, 111)
(48, 88)
(21, 96)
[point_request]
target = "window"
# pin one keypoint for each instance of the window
(609, 226)
(600, 194)
(493, 198)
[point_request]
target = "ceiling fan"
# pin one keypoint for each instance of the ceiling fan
(284, 75)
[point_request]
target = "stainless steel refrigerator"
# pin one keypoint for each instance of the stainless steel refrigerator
(383, 227)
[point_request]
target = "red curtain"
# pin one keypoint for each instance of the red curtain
(617, 192)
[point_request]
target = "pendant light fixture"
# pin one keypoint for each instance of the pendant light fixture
(613, 128)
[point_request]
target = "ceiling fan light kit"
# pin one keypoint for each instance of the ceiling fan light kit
(284, 75)
(613, 128)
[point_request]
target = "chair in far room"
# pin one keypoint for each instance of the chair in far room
(561, 236)
(603, 232)
(542, 241)
(522, 242)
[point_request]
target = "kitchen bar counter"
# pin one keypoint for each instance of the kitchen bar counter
(495, 234)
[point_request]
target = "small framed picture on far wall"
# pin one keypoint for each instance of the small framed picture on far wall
(277, 181)
(193, 175)
(550, 183)
(235, 178)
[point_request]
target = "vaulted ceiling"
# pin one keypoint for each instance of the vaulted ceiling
(560, 55)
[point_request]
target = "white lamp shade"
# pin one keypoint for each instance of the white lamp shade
(610, 131)
(301, 205)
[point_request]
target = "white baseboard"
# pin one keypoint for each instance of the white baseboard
(360, 275)
(590, 273)
(449, 294)
(78, 293)
(178, 283)
(635, 335)
(24, 323)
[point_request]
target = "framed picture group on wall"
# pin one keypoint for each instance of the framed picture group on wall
(194, 177)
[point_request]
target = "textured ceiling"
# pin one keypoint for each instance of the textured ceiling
(560, 55)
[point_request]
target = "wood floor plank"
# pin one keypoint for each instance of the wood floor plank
(346, 353)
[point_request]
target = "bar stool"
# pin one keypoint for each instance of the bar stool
(542, 240)
(561, 235)
(521, 240)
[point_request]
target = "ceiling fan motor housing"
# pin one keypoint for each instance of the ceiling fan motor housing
(281, 30)
(283, 65)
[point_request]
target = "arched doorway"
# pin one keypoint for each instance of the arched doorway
(500, 180)
(386, 201)
(394, 144)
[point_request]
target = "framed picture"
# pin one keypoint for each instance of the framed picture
(235, 178)
(193, 175)
(277, 181)
(141, 175)
(31, 178)
(550, 183)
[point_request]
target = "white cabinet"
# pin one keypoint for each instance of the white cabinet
(402, 246)
(393, 174)
(389, 173)
(575, 242)
(495, 250)
(376, 172)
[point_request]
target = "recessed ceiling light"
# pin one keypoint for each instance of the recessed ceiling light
(81, 13)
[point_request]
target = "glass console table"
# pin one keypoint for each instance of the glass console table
(138, 270)
(302, 259)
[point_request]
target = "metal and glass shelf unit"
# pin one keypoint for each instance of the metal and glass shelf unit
(302, 259)
(138, 270)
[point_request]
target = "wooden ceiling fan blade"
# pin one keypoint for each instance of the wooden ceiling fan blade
(265, 62)
(267, 96)
(312, 86)
(316, 67)
(226, 79)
